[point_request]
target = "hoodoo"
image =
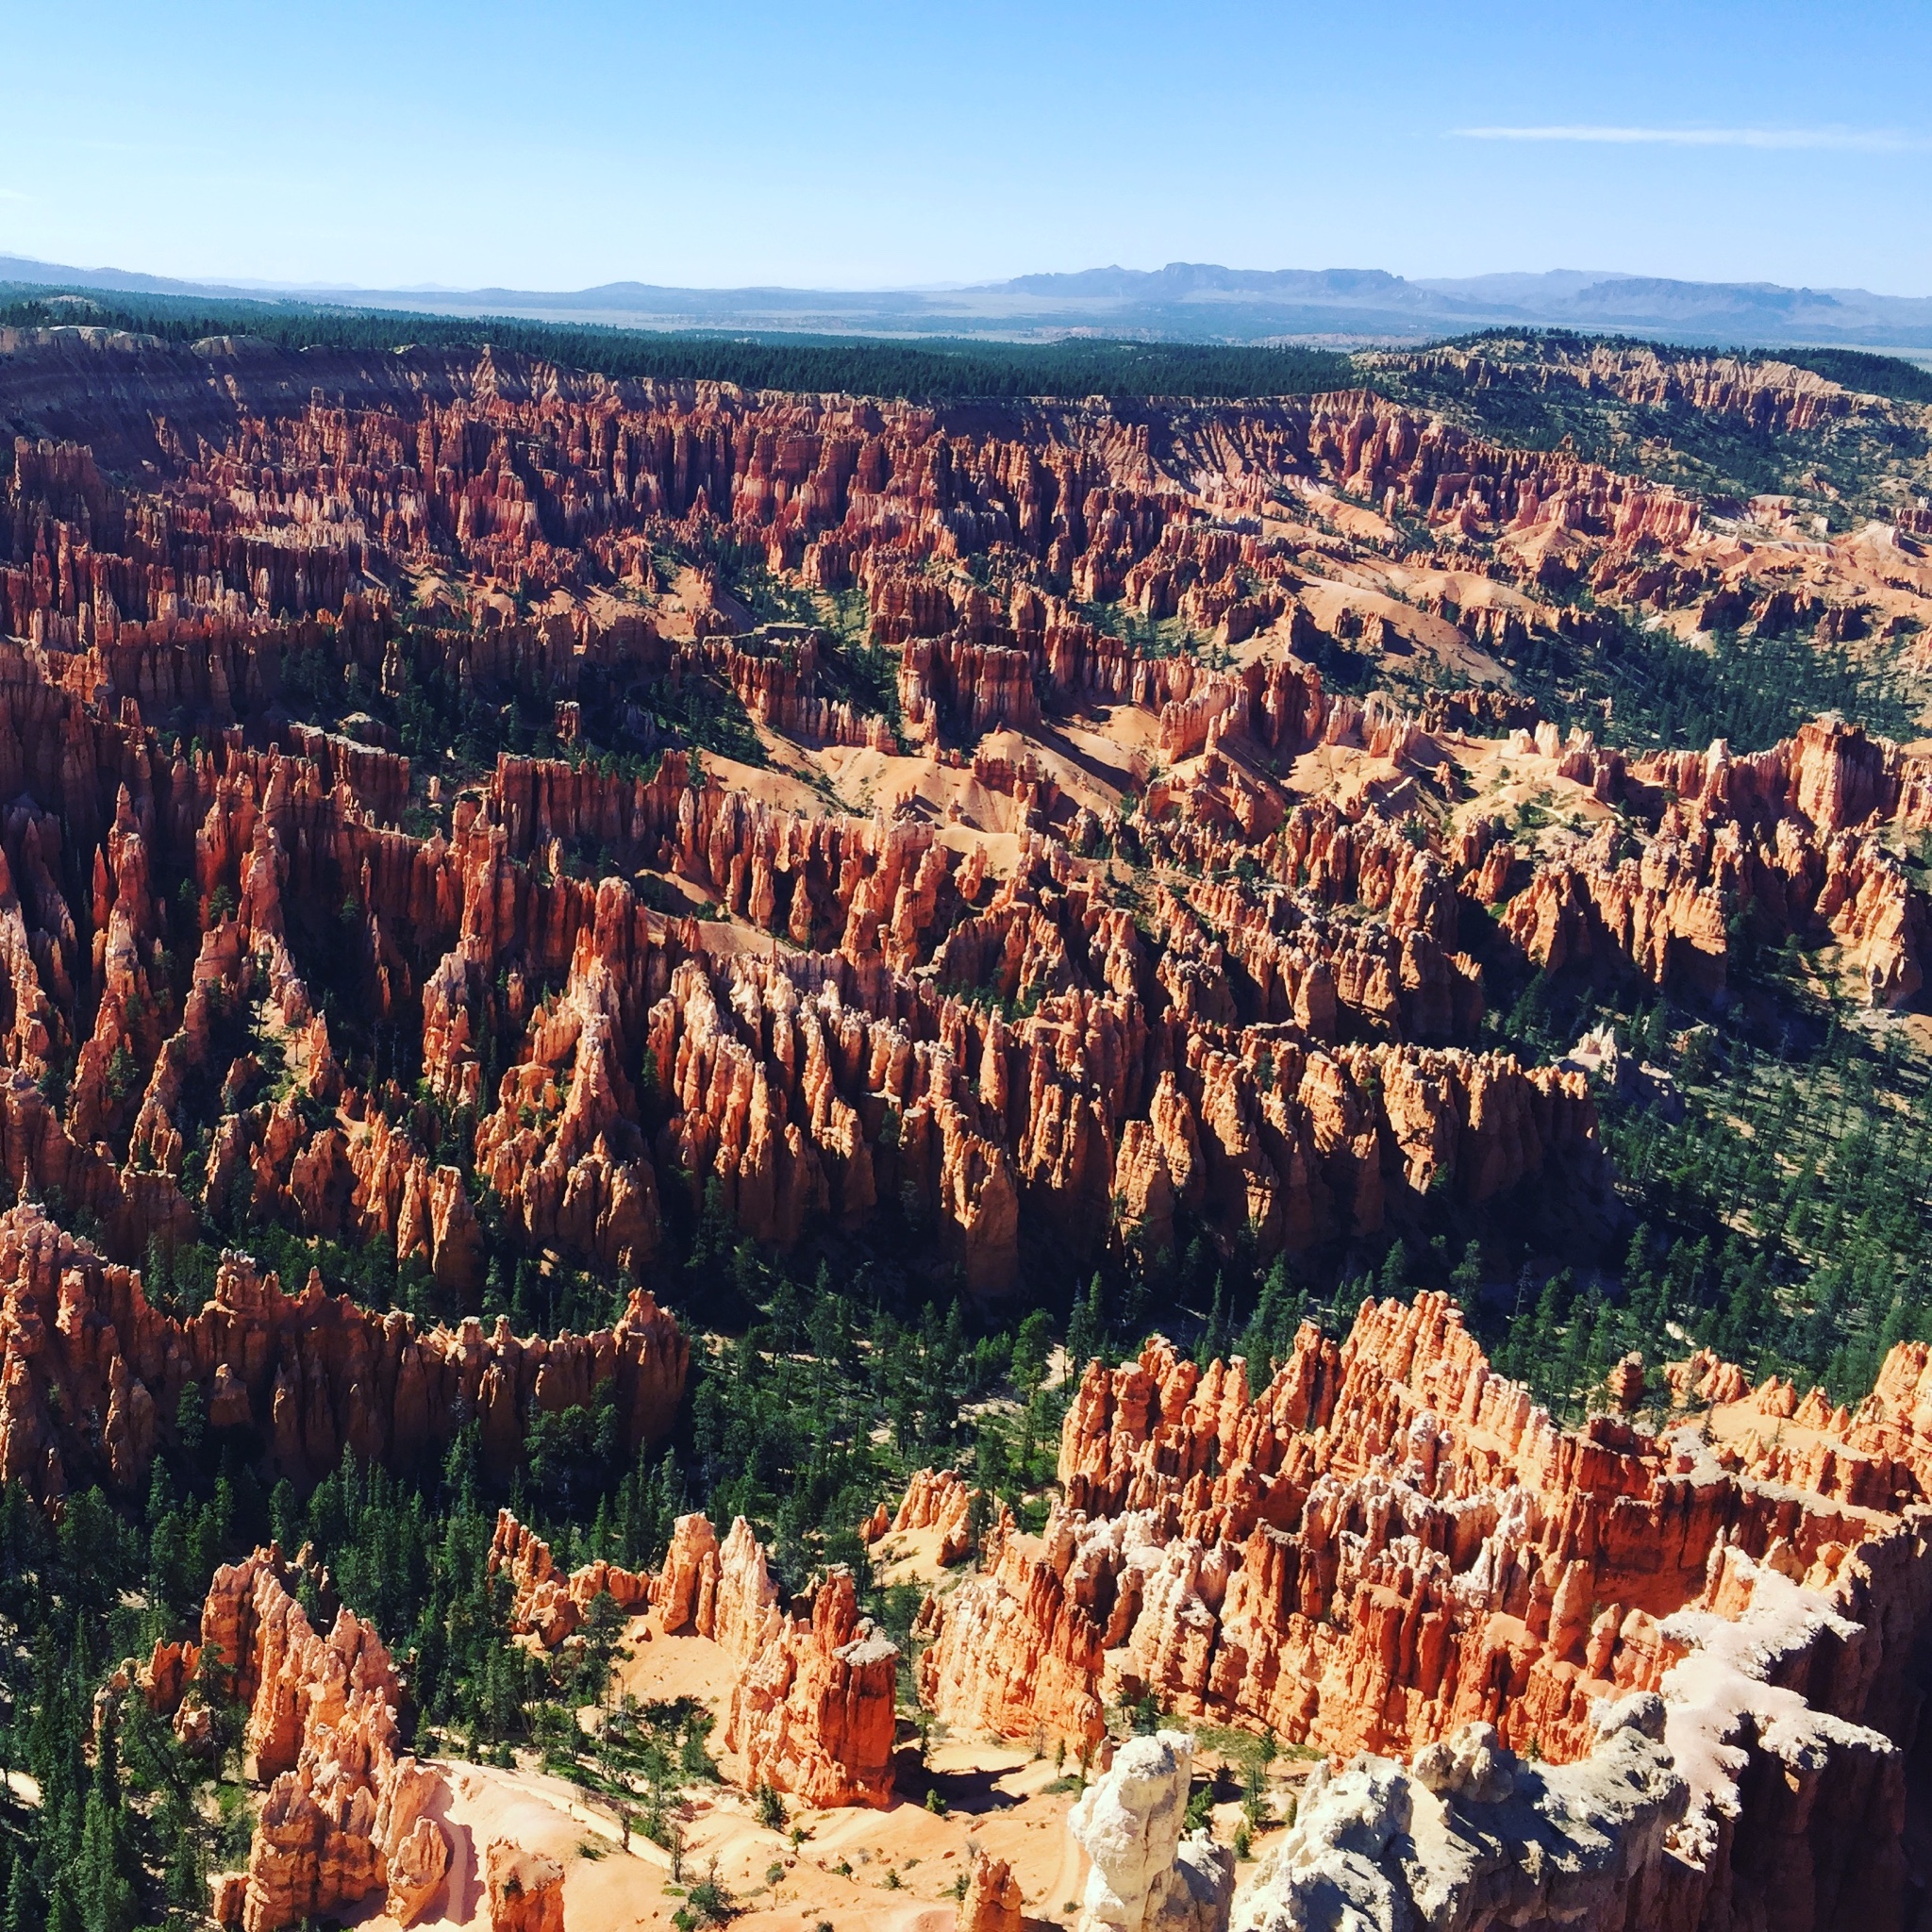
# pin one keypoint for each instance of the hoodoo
(1237, 1075)
(1634, 1637)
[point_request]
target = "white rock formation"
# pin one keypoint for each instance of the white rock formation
(1147, 1877)
(1475, 1839)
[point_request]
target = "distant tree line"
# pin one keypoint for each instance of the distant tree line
(940, 369)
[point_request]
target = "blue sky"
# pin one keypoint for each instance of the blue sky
(865, 145)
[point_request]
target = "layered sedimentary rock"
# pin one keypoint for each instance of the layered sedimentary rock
(1159, 934)
(1768, 394)
(540, 475)
(1143, 1873)
(1259, 1556)
(686, 1589)
(1788, 839)
(774, 673)
(818, 1088)
(345, 1814)
(309, 1373)
(1390, 1543)
(813, 1712)
(812, 1707)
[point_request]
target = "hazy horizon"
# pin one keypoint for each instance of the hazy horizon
(881, 149)
(269, 285)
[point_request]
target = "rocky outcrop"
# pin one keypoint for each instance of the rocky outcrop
(1470, 1837)
(1705, 1377)
(1390, 1549)
(417, 1868)
(686, 1589)
(163, 1680)
(813, 1706)
(1787, 841)
(942, 1500)
(992, 1901)
(1227, 979)
(721, 1590)
(1016, 1653)
(774, 673)
(856, 1079)
(311, 1373)
(1767, 394)
(846, 1084)
(1271, 1037)
(813, 1712)
(1389, 1542)
(524, 1888)
(547, 1604)
(345, 1816)
(564, 1150)
(1143, 1873)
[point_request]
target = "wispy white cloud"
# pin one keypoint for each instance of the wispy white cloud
(13, 194)
(1858, 140)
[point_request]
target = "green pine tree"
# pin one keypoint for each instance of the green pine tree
(1213, 1342)
(24, 1907)
(63, 1911)
(1394, 1277)
(102, 1892)
(1086, 1330)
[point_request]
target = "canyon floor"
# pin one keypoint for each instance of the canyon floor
(823, 1865)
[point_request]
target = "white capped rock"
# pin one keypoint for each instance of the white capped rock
(1145, 1875)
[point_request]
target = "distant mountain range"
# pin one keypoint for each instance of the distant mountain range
(1183, 301)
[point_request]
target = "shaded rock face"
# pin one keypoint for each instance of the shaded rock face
(1391, 1550)
(345, 1818)
(416, 1871)
(310, 1374)
(813, 1710)
(524, 1888)
(812, 1707)
(1472, 1839)
(1144, 1874)
(1013, 1652)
